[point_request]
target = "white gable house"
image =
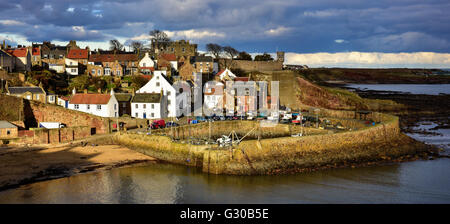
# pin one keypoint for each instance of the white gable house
(103, 105)
(158, 83)
(146, 64)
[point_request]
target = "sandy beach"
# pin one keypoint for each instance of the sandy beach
(21, 165)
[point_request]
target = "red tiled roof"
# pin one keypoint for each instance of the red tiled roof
(90, 98)
(78, 54)
(66, 98)
(149, 68)
(148, 77)
(19, 52)
(220, 72)
(112, 57)
(36, 51)
(169, 57)
(244, 79)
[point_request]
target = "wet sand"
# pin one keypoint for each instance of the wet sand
(21, 165)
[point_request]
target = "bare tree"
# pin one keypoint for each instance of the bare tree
(159, 38)
(137, 46)
(230, 52)
(214, 49)
(115, 45)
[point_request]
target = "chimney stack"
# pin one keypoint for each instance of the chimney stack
(85, 91)
(74, 91)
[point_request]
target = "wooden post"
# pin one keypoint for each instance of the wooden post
(209, 138)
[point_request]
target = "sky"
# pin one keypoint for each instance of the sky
(329, 33)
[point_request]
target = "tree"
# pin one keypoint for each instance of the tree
(137, 81)
(244, 56)
(80, 82)
(160, 38)
(137, 46)
(230, 52)
(214, 49)
(263, 57)
(115, 45)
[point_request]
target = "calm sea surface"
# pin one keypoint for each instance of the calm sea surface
(409, 182)
(430, 89)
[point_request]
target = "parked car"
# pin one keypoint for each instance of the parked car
(158, 124)
(171, 124)
(200, 119)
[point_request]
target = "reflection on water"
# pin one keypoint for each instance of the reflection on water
(413, 182)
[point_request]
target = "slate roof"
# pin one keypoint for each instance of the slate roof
(24, 89)
(90, 98)
(123, 97)
(6, 124)
(146, 98)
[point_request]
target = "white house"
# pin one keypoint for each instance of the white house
(158, 83)
(146, 64)
(226, 75)
(103, 105)
(56, 67)
(148, 106)
(63, 101)
(71, 66)
(213, 96)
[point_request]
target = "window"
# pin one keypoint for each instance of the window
(88, 107)
(107, 64)
(118, 72)
(183, 49)
(93, 71)
(137, 106)
(153, 106)
(157, 77)
(157, 83)
(145, 106)
(99, 72)
(124, 104)
(143, 64)
(168, 93)
(153, 115)
(71, 63)
(76, 106)
(8, 132)
(73, 70)
(99, 107)
(51, 98)
(137, 115)
(115, 106)
(168, 102)
(37, 97)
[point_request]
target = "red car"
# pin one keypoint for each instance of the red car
(158, 124)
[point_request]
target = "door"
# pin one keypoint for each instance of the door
(145, 115)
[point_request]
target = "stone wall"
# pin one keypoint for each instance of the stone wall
(52, 136)
(251, 65)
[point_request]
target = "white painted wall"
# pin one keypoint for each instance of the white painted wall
(146, 61)
(169, 92)
(111, 109)
(138, 110)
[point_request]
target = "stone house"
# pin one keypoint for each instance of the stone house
(186, 70)
(203, 64)
(8, 130)
(7, 61)
(36, 56)
(179, 48)
(22, 58)
(35, 93)
(115, 64)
